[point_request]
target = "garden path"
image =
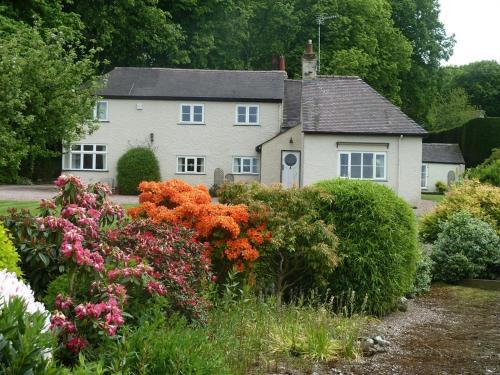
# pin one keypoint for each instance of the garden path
(451, 330)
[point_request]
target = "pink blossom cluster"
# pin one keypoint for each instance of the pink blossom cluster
(108, 314)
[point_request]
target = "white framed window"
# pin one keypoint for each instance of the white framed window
(247, 114)
(101, 111)
(192, 114)
(90, 157)
(191, 164)
(424, 176)
(245, 165)
(362, 165)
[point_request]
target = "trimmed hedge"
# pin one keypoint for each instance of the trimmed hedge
(477, 138)
(9, 258)
(136, 165)
(378, 244)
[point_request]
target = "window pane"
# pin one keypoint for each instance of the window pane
(75, 161)
(242, 110)
(200, 165)
(88, 161)
(66, 160)
(88, 147)
(100, 148)
(380, 166)
(253, 110)
(181, 164)
(367, 159)
(255, 165)
(186, 117)
(355, 171)
(197, 117)
(356, 158)
(102, 110)
(190, 165)
(100, 161)
(237, 165)
(246, 165)
(252, 119)
(344, 171)
(367, 171)
(186, 113)
(344, 159)
(198, 109)
(186, 109)
(241, 118)
(76, 147)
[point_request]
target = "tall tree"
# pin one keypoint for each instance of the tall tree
(452, 109)
(419, 22)
(47, 87)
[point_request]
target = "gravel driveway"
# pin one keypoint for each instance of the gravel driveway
(37, 192)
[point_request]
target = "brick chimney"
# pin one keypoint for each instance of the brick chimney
(309, 62)
(282, 63)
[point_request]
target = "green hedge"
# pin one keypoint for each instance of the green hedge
(477, 138)
(378, 249)
(136, 165)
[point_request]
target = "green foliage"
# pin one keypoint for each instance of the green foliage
(301, 253)
(47, 82)
(378, 242)
(136, 165)
(25, 345)
(466, 248)
(423, 275)
(451, 110)
(481, 200)
(489, 170)
(441, 187)
(60, 285)
(9, 258)
(477, 139)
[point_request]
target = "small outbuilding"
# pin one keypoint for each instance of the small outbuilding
(440, 162)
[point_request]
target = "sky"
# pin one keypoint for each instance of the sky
(476, 25)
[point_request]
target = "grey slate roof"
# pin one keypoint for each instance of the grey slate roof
(165, 83)
(448, 153)
(292, 103)
(348, 105)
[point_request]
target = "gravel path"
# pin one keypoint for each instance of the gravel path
(37, 192)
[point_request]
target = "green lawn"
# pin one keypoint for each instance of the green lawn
(31, 205)
(433, 197)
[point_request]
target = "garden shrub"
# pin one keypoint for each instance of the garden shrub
(466, 248)
(180, 261)
(489, 170)
(136, 165)
(232, 232)
(301, 253)
(26, 345)
(377, 242)
(9, 258)
(423, 275)
(480, 200)
(441, 187)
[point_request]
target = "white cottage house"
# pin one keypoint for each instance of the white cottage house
(252, 126)
(441, 162)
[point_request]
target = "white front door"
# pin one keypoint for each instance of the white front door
(290, 168)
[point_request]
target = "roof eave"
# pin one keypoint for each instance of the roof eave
(200, 98)
(365, 133)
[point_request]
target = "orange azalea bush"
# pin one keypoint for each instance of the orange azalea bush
(232, 232)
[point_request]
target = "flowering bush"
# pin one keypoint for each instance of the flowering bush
(232, 232)
(482, 201)
(180, 260)
(25, 343)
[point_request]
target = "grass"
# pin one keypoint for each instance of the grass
(31, 205)
(432, 197)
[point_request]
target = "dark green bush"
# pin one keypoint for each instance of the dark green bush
(136, 165)
(489, 171)
(377, 242)
(466, 248)
(9, 258)
(441, 187)
(301, 254)
(423, 275)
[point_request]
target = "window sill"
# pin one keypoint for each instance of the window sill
(103, 121)
(245, 174)
(246, 125)
(191, 123)
(191, 173)
(85, 170)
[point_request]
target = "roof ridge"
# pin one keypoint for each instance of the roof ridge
(202, 70)
(323, 76)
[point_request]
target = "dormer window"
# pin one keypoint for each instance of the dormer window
(192, 114)
(247, 114)
(101, 111)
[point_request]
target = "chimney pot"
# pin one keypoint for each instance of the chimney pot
(282, 63)
(309, 62)
(309, 47)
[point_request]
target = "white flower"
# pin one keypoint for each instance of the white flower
(11, 287)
